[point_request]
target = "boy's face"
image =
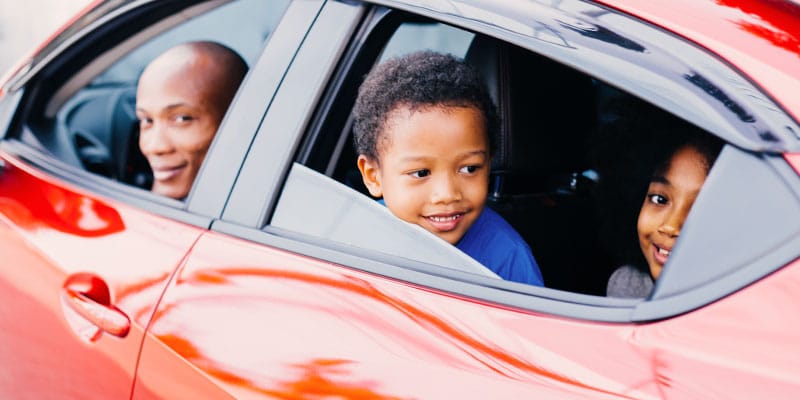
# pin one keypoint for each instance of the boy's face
(667, 204)
(433, 168)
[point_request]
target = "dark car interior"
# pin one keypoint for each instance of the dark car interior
(541, 181)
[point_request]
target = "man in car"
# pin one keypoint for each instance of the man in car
(181, 98)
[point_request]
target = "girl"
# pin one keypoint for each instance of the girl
(672, 190)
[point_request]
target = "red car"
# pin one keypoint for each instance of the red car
(277, 277)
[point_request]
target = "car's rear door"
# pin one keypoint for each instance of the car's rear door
(268, 312)
(300, 290)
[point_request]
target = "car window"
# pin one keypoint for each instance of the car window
(345, 214)
(89, 120)
(254, 21)
(557, 144)
(411, 36)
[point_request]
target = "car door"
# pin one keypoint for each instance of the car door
(81, 274)
(305, 287)
(84, 258)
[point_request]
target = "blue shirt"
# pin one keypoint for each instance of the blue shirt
(494, 243)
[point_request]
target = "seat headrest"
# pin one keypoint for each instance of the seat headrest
(546, 109)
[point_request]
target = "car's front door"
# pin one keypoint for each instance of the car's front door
(84, 259)
(80, 275)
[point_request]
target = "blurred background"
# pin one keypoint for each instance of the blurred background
(24, 24)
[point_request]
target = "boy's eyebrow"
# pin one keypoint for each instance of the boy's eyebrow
(415, 158)
(467, 154)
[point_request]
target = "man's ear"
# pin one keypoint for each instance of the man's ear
(370, 173)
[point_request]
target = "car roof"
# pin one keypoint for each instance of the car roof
(760, 38)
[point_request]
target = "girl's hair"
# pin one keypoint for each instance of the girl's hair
(706, 144)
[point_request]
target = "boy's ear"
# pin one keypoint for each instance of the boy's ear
(370, 173)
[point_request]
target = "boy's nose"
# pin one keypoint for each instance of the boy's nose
(446, 190)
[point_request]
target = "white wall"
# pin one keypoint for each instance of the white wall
(24, 24)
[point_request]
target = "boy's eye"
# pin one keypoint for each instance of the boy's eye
(421, 173)
(657, 199)
(469, 169)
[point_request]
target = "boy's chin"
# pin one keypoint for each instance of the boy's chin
(452, 237)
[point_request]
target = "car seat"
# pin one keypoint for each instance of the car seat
(539, 181)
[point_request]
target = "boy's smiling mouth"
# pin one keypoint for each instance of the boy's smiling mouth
(445, 222)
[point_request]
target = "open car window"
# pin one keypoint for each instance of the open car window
(553, 148)
(345, 215)
(85, 117)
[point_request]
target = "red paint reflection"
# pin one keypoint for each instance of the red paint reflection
(30, 202)
(771, 20)
(232, 286)
(324, 378)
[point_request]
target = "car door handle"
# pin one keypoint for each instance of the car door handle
(88, 295)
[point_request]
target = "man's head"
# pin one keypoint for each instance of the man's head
(423, 124)
(180, 100)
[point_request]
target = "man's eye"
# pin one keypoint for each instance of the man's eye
(421, 173)
(657, 199)
(469, 169)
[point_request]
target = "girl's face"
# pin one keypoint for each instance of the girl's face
(667, 203)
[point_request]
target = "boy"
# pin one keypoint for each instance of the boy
(423, 129)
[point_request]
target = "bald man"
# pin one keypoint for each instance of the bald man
(180, 101)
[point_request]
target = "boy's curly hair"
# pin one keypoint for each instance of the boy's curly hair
(417, 80)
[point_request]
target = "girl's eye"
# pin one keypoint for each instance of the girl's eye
(657, 199)
(421, 173)
(145, 123)
(183, 118)
(469, 169)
